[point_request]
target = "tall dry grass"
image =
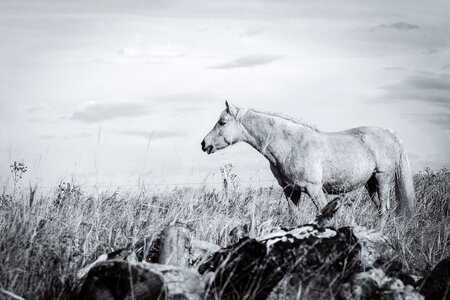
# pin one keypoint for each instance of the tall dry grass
(46, 238)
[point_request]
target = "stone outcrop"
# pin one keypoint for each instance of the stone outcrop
(319, 262)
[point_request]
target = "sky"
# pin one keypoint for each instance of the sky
(106, 92)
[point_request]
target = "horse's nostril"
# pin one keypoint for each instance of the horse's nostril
(203, 144)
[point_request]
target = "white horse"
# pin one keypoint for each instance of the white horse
(306, 160)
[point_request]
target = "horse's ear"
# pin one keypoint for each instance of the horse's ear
(231, 109)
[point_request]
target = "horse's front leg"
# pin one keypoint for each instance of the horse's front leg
(292, 197)
(289, 191)
(315, 192)
(292, 194)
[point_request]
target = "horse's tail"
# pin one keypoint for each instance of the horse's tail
(404, 187)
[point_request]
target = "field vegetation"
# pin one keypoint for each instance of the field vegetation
(45, 237)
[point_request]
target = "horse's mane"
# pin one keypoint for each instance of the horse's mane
(286, 117)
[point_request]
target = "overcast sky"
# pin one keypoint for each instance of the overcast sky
(107, 91)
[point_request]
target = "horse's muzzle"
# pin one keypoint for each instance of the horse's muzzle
(207, 149)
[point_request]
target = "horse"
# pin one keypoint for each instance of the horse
(306, 160)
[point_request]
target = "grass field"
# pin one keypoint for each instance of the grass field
(46, 237)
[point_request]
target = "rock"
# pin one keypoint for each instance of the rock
(397, 269)
(179, 282)
(437, 284)
(374, 284)
(319, 258)
(175, 246)
(202, 250)
(117, 280)
(237, 233)
(374, 246)
(125, 274)
(171, 246)
(314, 262)
(83, 272)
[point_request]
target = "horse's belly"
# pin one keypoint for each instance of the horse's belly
(335, 188)
(344, 174)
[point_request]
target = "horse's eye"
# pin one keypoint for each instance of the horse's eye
(221, 123)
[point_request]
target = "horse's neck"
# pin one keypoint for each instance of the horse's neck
(270, 134)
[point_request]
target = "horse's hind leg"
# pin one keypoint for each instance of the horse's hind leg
(292, 197)
(383, 188)
(371, 187)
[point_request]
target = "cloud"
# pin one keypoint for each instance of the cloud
(423, 87)
(47, 136)
(64, 137)
(83, 135)
(187, 109)
(401, 26)
(394, 69)
(33, 109)
(255, 31)
(430, 51)
(248, 62)
(192, 97)
(106, 111)
(439, 119)
(7, 114)
(131, 51)
(153, 135)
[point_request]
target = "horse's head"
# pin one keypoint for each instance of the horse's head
(227, 131)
